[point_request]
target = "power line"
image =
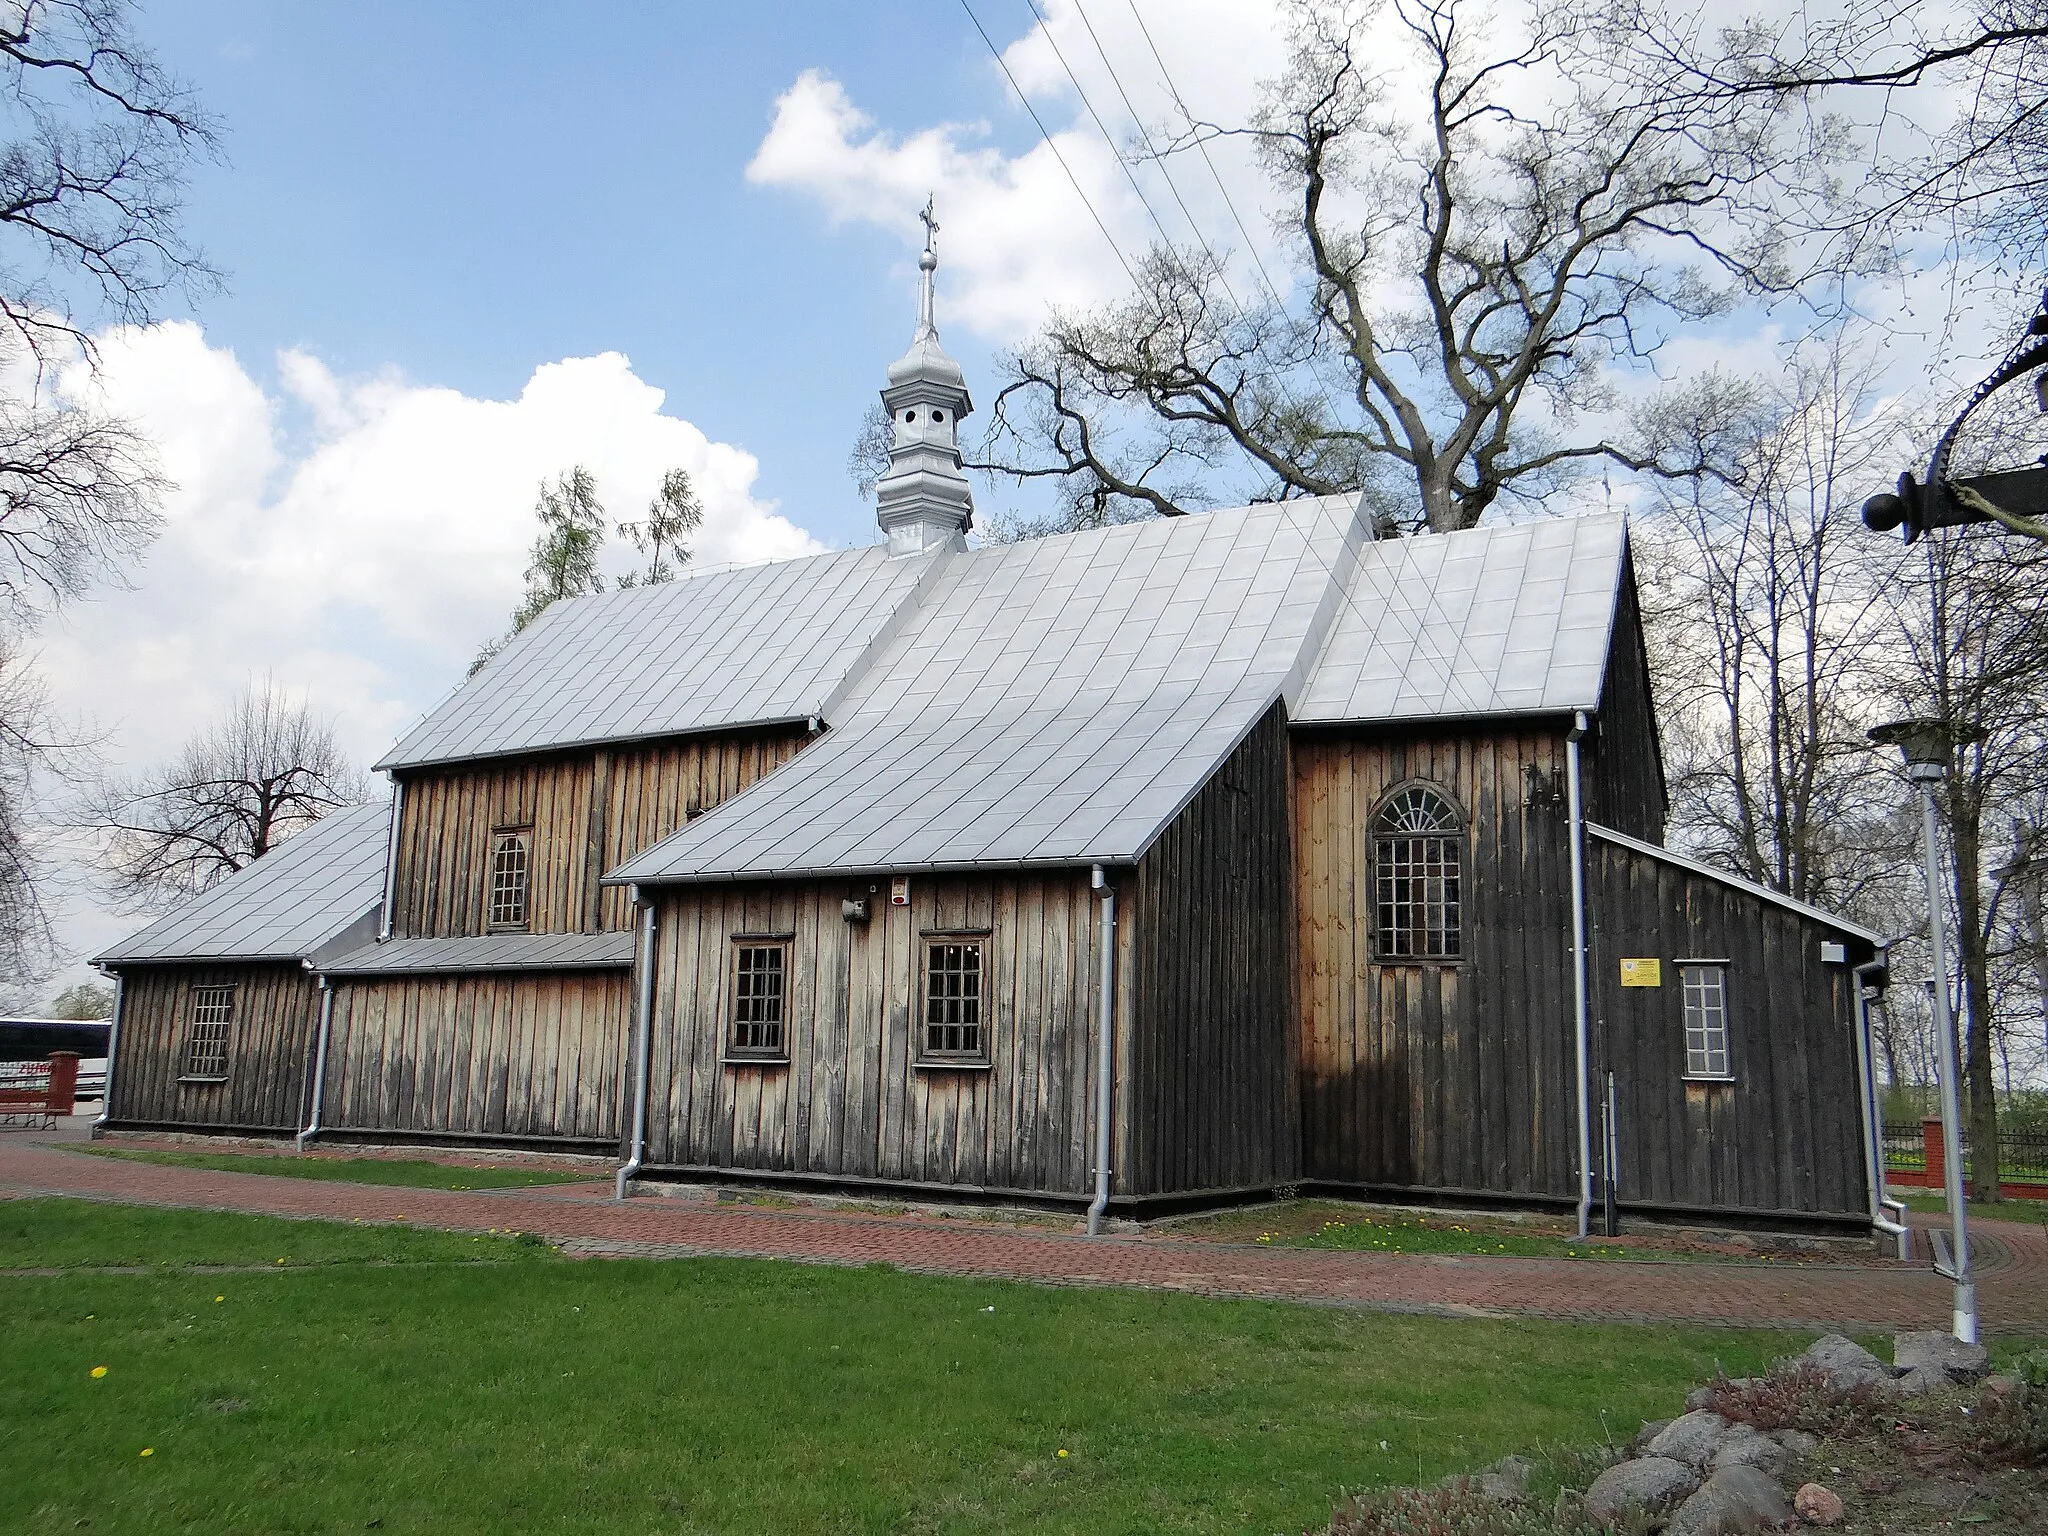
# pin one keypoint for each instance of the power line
(1003, 64)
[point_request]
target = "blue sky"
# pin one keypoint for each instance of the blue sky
(463, 191)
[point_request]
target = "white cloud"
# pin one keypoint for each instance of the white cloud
(1017, 239)
(365, 566)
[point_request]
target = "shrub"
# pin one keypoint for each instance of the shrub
(1794, 1394)
(2015, 1426)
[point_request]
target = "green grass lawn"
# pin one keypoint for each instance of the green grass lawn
(2035, 1211)
(371, 1384)
(410, 1173)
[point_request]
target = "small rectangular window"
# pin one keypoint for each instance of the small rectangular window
(953, 1027)
(760, 995)
(510, 858)
(206, 1047)
(1706, 1020)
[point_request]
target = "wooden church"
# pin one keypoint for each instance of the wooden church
(1134, 869)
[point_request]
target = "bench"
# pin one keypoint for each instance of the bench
(36, 1093)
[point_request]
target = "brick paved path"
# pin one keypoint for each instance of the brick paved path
(2012, 1282)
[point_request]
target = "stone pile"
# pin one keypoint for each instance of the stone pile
(1718, 1478)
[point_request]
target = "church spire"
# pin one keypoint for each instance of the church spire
(923, 501)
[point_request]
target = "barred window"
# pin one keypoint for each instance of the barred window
(1706, 1019)
(760, 991)
(952, 1001)
(510, 852)
(1418, 862)
(206, 1047)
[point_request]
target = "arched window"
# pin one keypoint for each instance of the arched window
(1418, 875)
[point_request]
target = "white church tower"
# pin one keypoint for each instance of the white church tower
(923, 501)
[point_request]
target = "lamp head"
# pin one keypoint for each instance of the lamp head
(1926, 743)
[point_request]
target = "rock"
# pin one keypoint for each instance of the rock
(1651, 1429)
(1940, 1352)
(1797, 1441)
(1653, 1483)
(1734, 1501)
(1817, 1505)
(2000, 1390)
(1921, 1380)
(1505, 1482)
(1692, 1439)
(1848, 1365)
(1703, 1397)
(1743, 1446)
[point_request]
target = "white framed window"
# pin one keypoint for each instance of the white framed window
(760, 999)
(1704, 986)
(1418, 870)
(511, 861)
(206, 1043)
(955, 1034)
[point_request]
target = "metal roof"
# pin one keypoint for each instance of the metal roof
(1694, 866)
(1049, 702)
(708, 651)
(285, 906)
(1511, 619)
(487, 952)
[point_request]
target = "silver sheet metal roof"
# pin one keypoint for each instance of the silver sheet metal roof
(285, 906)
(710, 651)
(1833, 920)
(1502, 620)
(487, 952)
(1051, 702)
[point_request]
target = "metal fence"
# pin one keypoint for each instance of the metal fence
(2020, 1155)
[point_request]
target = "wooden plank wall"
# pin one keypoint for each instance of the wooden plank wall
(539, 1055)
(1439, 1076)
(1210, 1091)
(1623, 765)
(277, 1008)
(1786, 1135)
(589, 810)
(849, 1103)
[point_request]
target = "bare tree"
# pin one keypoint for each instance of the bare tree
(86, 1000)
(1775, 621)
(672, 516)
(95, 138)
(31, 746)
(1979, 72)
(1479, 243)
(266, 769)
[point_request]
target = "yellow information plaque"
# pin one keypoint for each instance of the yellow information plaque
(1642, 973)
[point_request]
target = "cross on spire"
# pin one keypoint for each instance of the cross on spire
(927, 328)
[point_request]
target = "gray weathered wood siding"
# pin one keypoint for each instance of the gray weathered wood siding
(516, 1056)
(276, 1010)
(1785, 1135)
(1210, 1093)
(1437, 1076)
(1623, 764)
(850, 1103)
(590, 810)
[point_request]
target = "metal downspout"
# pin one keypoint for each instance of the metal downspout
(643, 1035)
(113, 1053)
(1105, 1048)
(313, 1126)
(1873, 1133)
(384, 919)
(1581, 1015)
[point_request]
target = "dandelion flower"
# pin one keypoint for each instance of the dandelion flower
(280, 1261)
(220, 1298)
(98, 1371)
(1063, 1453)
(149, 1450)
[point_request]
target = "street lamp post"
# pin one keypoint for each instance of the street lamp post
(1926, 745)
